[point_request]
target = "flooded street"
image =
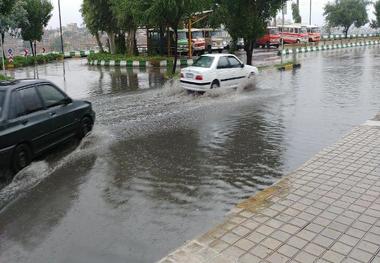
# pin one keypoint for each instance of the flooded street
(161, 167)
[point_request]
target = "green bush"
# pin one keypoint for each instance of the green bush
(119, 57)
(21, 61)
(2, 77)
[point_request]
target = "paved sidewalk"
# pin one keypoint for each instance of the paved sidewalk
(326, 211)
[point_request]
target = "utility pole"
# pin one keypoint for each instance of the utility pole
(310, 13)
(60, 26)
(2, 56)
(62, 48)
(283, 22)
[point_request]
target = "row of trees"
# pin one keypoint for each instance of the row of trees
(345, 13)
(242, 18)
(28, 17)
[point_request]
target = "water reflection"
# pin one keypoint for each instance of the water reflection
(84, 81)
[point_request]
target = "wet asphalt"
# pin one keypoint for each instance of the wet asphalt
(161, 167)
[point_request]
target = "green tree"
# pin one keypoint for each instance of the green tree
(345, 13)
(11, 14)
(173, 12)
(92, 22)
(376, 23)
(126, 13)
(116, 18)
(98, 16)
(38, 14)
(247, 19)
(296, 13)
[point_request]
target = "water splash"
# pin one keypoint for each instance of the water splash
(98, 142)
(172, 88)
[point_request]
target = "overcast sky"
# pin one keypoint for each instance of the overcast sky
(71, 14)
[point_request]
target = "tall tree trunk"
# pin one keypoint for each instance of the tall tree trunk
(120, 43)
(99, 42)
(111, 38)
(136, 50)
(175, 49)
(248, 47)
(162, 42)
(31, 47)
(346, 31)
(131, 43)
(2, 43)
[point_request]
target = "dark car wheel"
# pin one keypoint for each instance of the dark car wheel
(22, 157)
(85, 127)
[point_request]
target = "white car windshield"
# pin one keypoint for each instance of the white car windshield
(2, 98)
(203, 62)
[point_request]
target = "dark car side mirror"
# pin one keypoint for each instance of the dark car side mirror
(242, 65)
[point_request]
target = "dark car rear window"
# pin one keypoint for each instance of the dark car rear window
(2, 98)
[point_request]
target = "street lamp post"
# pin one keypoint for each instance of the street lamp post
(310, 13)
(62, 48)
(60, 25)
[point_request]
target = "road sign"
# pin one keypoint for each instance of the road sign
(10, 51)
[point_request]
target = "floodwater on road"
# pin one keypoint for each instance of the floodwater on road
(161, 167)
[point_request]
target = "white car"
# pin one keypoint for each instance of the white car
(216, 71)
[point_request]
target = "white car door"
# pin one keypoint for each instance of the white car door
(225, 72)
(237, 71)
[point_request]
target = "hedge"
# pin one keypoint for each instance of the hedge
(21, 61)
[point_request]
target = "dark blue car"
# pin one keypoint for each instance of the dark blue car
(35, 115)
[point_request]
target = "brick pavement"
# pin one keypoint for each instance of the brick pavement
(326, 211)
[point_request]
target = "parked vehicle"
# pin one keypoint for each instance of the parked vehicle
(214, 71)
(224, 35)
(183, 42)
(35, 116)
(198, 39)
(314, 33)
(272, 38)
(214, 40)
(294, 34)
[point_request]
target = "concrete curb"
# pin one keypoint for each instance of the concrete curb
(289, 51)
(353, 36)
(79, 54)
(140, 64)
